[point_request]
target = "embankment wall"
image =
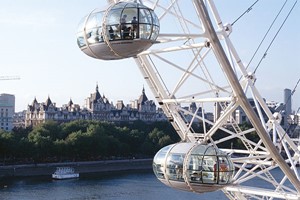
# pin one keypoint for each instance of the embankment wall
(81, 167)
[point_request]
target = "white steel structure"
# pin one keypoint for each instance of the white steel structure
(194, 61)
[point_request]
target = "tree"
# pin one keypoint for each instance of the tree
(159, 139)
(7, 141)
(42, 143)
(74, 126)
(86, 140)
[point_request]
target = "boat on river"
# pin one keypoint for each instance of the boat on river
(65, 173)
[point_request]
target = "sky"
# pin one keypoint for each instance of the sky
(38, 44)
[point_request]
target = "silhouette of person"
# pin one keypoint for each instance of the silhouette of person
(134, 23)
(123, 19)
(123, 25)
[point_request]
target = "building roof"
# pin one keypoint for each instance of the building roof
(143, 98)
(48, 102)
(70, 103)
(96, 97)
(34, 101)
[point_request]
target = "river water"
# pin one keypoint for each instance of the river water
(121, 186)
(113, 186)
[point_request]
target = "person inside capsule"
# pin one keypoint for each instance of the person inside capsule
(124, 29)
(134, 29)
(223, 168)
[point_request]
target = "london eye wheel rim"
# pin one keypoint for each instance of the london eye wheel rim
(257, 156)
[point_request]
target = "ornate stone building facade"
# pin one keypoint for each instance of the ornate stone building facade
(96, 107)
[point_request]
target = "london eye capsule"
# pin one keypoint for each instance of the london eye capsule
(193, 167)
(123, 30)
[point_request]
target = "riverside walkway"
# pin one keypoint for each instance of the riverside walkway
(41, 169)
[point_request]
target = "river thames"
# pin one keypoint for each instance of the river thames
(122, 186)
(112, 186)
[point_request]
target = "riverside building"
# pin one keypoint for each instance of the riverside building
(7, 110)
(97, 107)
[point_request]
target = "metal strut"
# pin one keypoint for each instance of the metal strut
(225, 64)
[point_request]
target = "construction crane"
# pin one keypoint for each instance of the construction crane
(2, 78)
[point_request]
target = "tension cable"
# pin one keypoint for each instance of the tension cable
(248, 10)
(266, 34)
(266, 52)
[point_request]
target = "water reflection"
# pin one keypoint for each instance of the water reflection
(129, 186)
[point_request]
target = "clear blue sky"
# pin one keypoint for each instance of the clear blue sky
(38, 43)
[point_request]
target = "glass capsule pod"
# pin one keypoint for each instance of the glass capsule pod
(193, 167)
(123, 30)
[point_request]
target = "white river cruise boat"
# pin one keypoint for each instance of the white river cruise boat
(65, 173)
